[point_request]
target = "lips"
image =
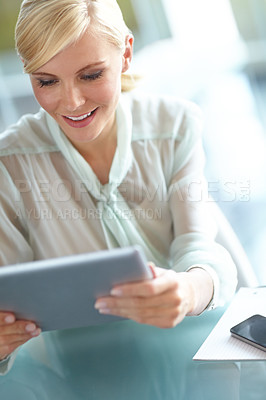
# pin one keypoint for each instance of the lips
(80, 121)
(81, 118)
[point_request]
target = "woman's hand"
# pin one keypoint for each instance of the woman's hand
(163, 301)
(14, 333)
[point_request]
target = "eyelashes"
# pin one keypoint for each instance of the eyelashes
(93, 77)
(51, 82)
(48, 82)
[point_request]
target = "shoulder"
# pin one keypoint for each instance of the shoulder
(29, 135)
(161, 116)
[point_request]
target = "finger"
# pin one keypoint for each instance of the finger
(7, 349)
(7, 318)
(156, 271)
(163, 305)
(8, 340)
(19, 328)
(140, 314)
(9, 343)
(166, 317)
(147, 288)
(167, 299)
(162, 322)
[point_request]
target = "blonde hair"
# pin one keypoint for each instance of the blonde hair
(46, 27)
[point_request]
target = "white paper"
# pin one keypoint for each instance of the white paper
(220, 345)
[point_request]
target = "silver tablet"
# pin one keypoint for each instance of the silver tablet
(60, 293)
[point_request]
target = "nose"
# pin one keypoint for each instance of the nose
(72, 98)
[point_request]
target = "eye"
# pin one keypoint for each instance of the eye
(46, 82)
(92, 77)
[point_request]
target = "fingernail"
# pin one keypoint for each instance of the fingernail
(30, 327)
(104, 311)
(100, 304)
(36, 332)
(9, 319)
(116, 292)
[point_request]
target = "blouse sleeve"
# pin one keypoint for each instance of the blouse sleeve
(14, 246)
(6, 364)
(194, 230)
(13, 230)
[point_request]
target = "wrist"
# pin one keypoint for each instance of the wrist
(201, 288)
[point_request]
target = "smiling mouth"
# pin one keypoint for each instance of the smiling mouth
(81, 117)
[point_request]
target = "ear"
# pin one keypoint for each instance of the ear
(128, 53)
(23, 62)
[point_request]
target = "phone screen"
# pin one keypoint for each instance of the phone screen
(252, 331)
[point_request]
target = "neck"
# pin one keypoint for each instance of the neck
(99, 153)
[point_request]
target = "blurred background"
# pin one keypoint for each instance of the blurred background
(212, 52)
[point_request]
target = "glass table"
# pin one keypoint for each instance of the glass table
(128, 361)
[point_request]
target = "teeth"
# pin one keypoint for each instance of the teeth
(79, 118)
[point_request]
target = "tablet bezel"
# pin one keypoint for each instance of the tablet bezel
(60, 293)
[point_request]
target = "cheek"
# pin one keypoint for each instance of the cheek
(108, 93)
(46, 99)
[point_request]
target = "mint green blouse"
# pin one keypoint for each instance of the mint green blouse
(52, 204)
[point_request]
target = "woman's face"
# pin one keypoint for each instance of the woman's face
(81, 85)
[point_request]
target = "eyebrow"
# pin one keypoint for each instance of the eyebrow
(78, 72)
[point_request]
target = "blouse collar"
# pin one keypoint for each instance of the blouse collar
(121, 161)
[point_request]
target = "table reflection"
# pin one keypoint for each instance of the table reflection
(126, 360)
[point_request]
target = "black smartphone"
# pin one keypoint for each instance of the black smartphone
(252, 331)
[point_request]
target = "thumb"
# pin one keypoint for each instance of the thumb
(153, 269)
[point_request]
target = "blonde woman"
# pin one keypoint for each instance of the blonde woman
(97, 169)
